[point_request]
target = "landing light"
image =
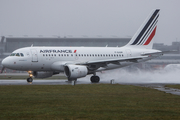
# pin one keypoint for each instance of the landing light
(30, 75)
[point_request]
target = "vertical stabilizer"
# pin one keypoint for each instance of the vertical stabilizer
(144, 36)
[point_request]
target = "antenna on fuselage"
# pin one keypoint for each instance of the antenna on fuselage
(32, 45)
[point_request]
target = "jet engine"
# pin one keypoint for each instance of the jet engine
(43, 74)
(75, 71)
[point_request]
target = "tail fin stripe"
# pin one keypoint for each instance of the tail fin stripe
(151, 36)
(149, 33)
(145, 27)
(149, 30)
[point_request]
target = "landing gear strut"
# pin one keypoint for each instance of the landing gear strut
(95, 79)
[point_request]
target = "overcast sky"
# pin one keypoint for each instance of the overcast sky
(90, 18)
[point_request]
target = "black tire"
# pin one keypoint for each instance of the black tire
(95, 79)
(29, 79)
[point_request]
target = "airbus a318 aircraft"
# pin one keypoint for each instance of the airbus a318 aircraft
(77, 62)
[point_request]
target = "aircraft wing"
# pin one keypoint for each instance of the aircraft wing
(114, 61)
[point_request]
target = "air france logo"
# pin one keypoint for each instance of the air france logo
(55, 51)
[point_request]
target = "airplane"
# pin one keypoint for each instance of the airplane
(78, 62)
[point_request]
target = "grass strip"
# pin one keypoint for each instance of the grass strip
(94, 101)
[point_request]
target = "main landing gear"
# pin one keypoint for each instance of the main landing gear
(30, 79)
(94, 78)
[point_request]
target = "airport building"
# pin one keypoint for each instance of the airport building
(9, 44)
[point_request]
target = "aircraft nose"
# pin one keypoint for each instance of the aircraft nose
(4, 62)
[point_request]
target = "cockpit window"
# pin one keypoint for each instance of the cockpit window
(22, 55)
(17, 54)
(12, 54)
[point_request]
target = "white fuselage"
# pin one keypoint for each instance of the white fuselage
(54, 58)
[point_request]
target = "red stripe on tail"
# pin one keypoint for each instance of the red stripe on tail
(150, 37)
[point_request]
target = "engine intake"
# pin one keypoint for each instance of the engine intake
(75, 71)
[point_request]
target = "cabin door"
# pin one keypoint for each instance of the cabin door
(34, 55)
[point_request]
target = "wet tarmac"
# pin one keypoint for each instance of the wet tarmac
(157, 86)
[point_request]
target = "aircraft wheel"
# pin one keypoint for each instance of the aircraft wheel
(95, 79)
(29, 79)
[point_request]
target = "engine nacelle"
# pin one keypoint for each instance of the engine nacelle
(75, 71)
(43, 74)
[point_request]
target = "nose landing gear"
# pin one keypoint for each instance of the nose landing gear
(30, 79)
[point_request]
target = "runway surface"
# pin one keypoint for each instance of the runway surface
(152, 79)
(158, 86)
